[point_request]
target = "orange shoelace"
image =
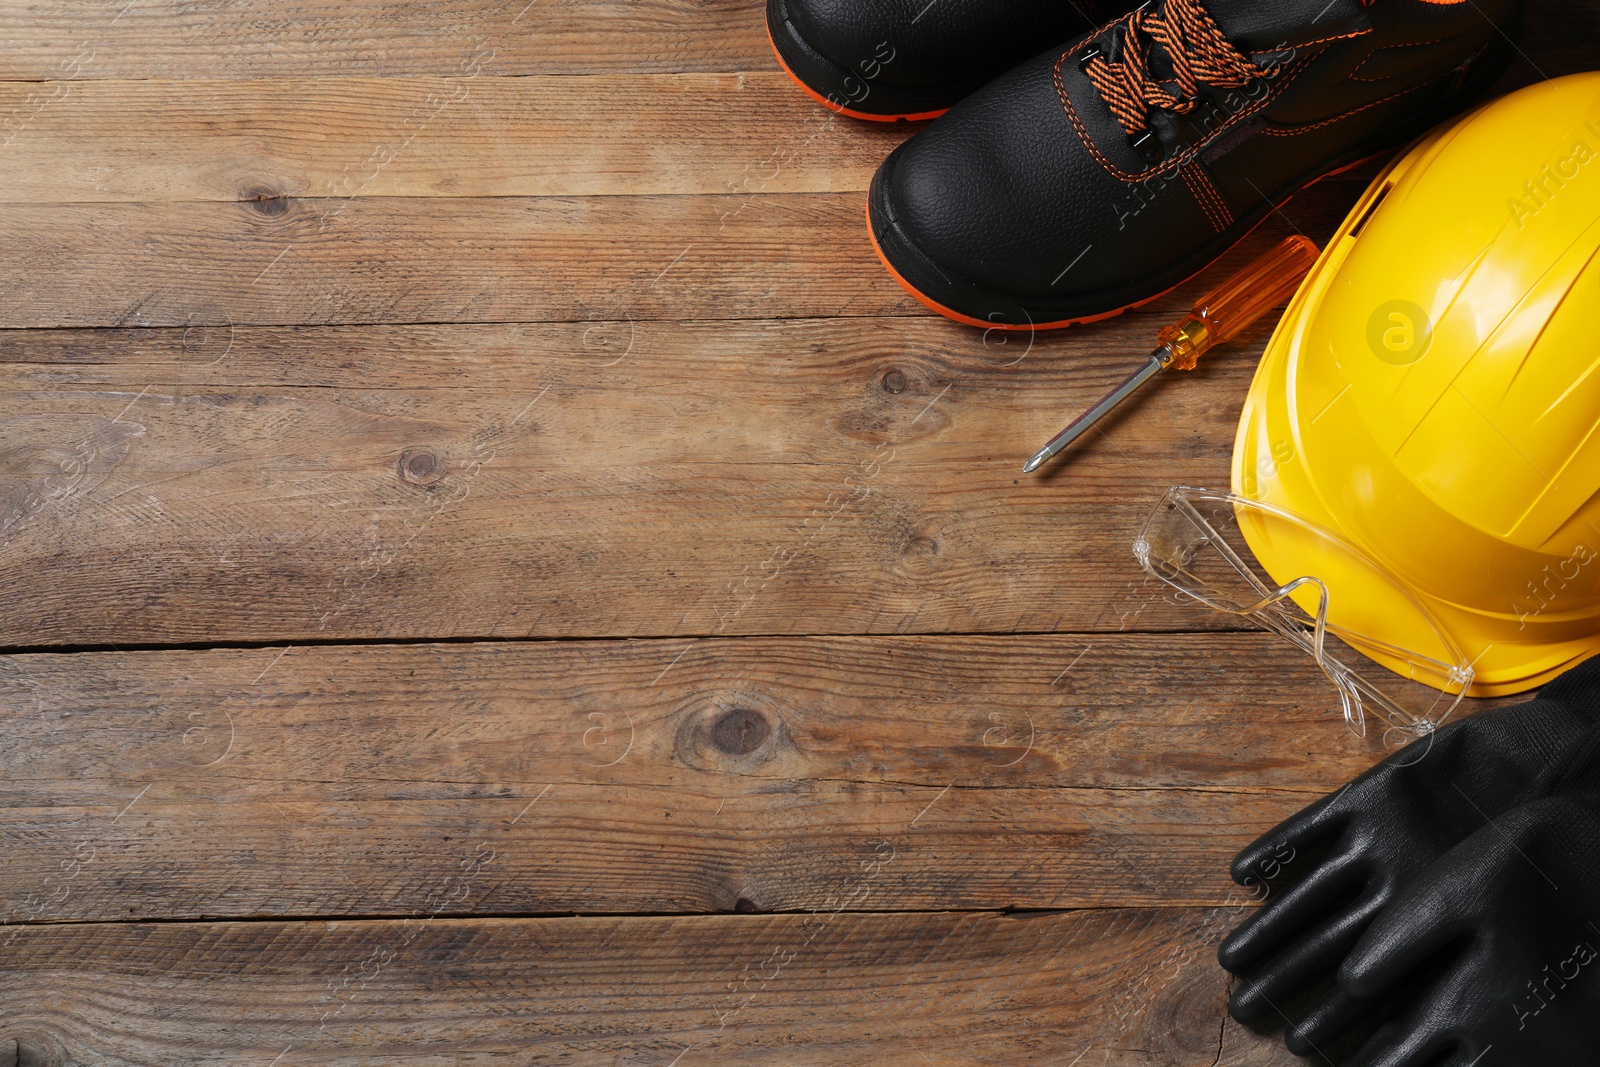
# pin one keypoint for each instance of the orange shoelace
(1196, 48)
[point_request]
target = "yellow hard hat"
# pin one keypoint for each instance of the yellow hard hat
(1432, 394)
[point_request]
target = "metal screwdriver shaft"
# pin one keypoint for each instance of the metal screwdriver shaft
(1080, 425)
(1218, 318)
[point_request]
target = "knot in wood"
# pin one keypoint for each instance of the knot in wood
(419, 466)
(739, 731)
(267, 201)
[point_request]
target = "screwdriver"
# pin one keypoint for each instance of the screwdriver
(1218, 318)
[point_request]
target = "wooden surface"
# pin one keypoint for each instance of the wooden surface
(496, 572)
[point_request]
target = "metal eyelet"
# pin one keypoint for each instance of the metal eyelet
(1148, 147)
(1092, 54)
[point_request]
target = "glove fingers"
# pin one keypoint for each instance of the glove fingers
(1278, 923)
(1398, 1044)
(1302, 965)
(1326, 1022)
(1408, 932)
(1276, 850)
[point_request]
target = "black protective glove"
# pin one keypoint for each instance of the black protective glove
(1492, 953)
(1353, 852)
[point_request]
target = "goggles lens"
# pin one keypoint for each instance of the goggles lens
(1336, 607)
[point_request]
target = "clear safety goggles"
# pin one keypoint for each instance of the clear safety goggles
(1199, 541)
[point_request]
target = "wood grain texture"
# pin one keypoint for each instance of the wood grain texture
(588, 479)
(1113, 988)
(742, 134)
(367, 260)
(85, 39)
(654, 776)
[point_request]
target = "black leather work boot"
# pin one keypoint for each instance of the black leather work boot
(1103, 173)
(911, 59)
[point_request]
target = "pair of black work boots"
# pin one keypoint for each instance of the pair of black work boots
(1136, 145)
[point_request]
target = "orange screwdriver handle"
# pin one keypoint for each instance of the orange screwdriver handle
(1236, 304)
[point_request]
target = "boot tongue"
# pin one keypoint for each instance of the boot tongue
(1255, 27)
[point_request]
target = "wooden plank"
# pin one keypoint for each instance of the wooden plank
(1114, 989)
(395, 259)
(627, 776)
(586, 479)
(634, 134)
(86, 39)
